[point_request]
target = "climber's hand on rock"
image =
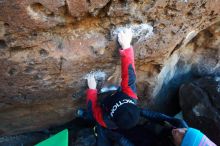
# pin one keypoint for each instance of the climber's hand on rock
(124, 38)
(91, 82)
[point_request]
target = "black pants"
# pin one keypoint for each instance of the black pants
(102, 137)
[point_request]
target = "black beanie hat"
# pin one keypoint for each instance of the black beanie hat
(122, 110)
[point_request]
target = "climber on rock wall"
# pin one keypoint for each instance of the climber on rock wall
(119, 111)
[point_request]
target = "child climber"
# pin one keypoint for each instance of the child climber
(119, 110)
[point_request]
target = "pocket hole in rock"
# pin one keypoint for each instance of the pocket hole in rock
(3, 44)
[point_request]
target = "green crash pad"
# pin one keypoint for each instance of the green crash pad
(60, 139)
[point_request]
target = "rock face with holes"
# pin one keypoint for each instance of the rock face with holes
(47, 47)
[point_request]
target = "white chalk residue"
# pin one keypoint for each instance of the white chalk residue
(99, 75)
(36, 16)
(43, 17)
(139, 31)
(184, 1)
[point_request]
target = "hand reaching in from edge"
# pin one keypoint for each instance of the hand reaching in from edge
(91, 82)
(124, 38)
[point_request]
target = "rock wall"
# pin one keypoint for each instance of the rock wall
(47, 47)
(190, 61)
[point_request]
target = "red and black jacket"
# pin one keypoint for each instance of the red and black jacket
(128, 88)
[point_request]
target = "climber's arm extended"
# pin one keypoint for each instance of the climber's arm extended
(128, 74)
(93, 107)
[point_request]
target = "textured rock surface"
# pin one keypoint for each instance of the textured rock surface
(48, 46)
(200, 102)
(199, 58)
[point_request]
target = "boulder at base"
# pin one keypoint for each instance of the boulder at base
(200, 102)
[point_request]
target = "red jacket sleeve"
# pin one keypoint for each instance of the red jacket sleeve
(93, 106)
(128, 74)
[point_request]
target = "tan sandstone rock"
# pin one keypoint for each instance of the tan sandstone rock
(47, 47)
